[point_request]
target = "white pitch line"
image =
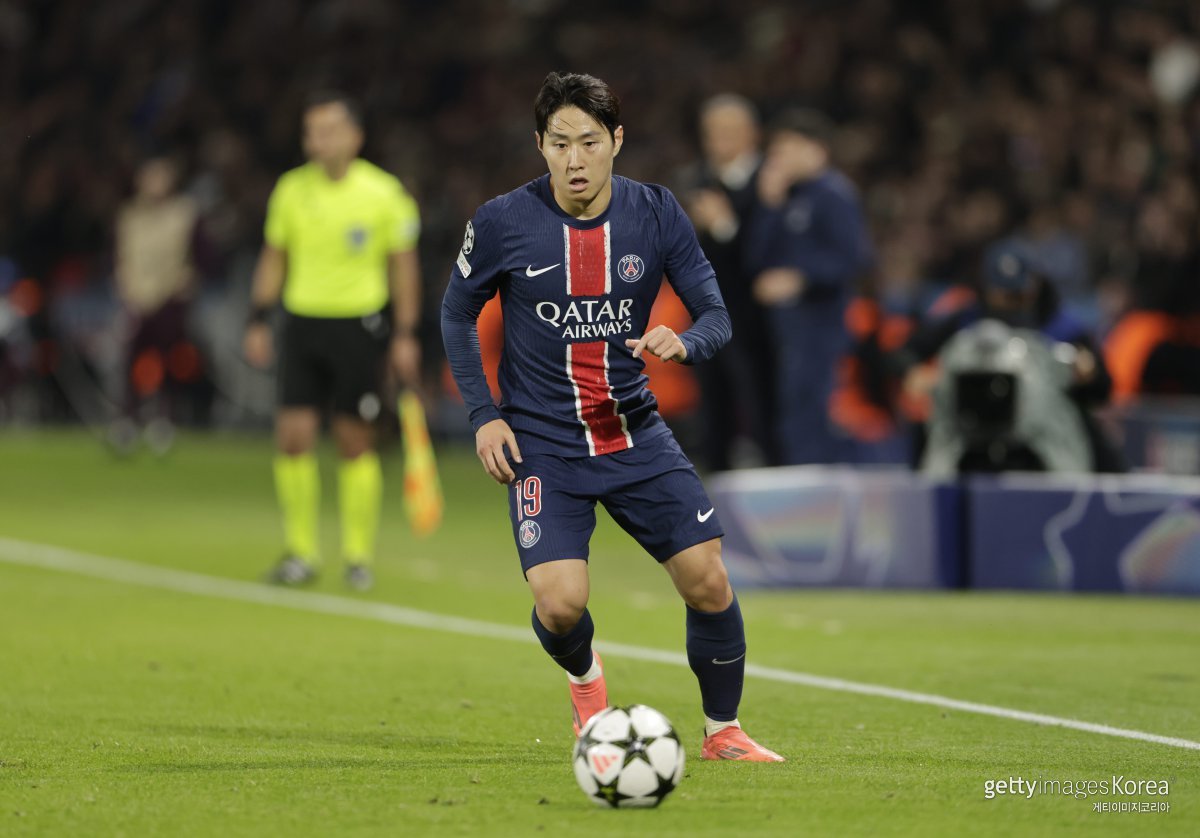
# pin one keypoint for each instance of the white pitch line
(168, 579)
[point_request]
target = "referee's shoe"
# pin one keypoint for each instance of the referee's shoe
(292, 571)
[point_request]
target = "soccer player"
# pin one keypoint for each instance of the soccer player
(578, 256)
(341, 239)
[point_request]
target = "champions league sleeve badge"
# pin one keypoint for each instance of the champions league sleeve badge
(469, 239)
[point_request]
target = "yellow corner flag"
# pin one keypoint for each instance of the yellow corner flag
(423, 500)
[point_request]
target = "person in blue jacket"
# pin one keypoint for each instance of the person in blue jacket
(807, 245)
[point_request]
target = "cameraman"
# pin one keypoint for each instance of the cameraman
(1017, 294)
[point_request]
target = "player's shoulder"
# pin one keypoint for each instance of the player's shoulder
(295, 177)
(501, 209)
(377, 179)
(638, 191)
(646, 198)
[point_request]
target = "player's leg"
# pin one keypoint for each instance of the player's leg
(716, 640)
(303, 388)
(360, 493)
(552, 525)
(716, 650)
(664, 506)
(564, 627)
(298, 489)
(560, 616)
(359, 347)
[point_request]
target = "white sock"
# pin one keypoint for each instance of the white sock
(589, 676)
(712, 726)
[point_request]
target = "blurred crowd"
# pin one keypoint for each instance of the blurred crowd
(1069, 128)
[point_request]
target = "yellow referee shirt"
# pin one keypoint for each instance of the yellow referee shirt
(337, 235)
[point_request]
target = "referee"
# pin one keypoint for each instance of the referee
(340, 252)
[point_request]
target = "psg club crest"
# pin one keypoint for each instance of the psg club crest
(630, 268)
(529, 533)
(469, 240)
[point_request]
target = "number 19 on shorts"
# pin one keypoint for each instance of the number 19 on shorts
(529, 497)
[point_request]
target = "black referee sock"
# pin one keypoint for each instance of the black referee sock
(716, 650)
(573, 650)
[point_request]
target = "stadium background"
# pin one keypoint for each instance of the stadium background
(1075, 125)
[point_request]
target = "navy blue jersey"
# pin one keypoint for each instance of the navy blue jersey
(572, 293)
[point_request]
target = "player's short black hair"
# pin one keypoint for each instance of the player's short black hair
(806, 122)
(329, 96)
(588, 93)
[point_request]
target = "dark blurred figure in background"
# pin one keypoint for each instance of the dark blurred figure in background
(806, 245)
(154, 273)
(737, 386)
(1016, 292)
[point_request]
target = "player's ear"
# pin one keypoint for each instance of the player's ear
(537, 138)
(618, 139)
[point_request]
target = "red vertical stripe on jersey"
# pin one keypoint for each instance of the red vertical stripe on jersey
(587, 261)
(587, 365)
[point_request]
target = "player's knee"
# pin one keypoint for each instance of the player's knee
(352, 438)
(296, 432)
(560, 613)
(293, 445)
(710, 589)
(352, 450)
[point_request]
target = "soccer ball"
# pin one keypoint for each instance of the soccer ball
(628, 757)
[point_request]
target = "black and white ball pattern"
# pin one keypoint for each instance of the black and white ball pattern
(628, 757)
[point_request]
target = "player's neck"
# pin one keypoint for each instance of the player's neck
(583, 210)
(336, 171)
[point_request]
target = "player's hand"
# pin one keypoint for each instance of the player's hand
(778, 286)
(258, 345)
(404, 359)
(660, 342)
(489, 445)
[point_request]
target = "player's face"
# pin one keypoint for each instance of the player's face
(579, 153)
(331, 137)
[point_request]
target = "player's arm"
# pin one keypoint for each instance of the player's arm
(404, 285)
(269, 276)
(266, 289)
(404, 280)
(693, 278)
(473, 281)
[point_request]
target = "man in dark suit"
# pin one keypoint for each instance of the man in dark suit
(737, 386)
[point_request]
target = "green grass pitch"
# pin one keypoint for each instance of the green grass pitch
(127, 710)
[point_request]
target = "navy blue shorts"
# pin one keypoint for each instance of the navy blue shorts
(651, 490)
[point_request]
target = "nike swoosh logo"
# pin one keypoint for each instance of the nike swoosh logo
(529, 271)
(704, 516)
(735, 660)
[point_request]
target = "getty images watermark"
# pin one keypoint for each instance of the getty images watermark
(1116, 786)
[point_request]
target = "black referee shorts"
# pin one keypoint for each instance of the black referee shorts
(336, 362)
